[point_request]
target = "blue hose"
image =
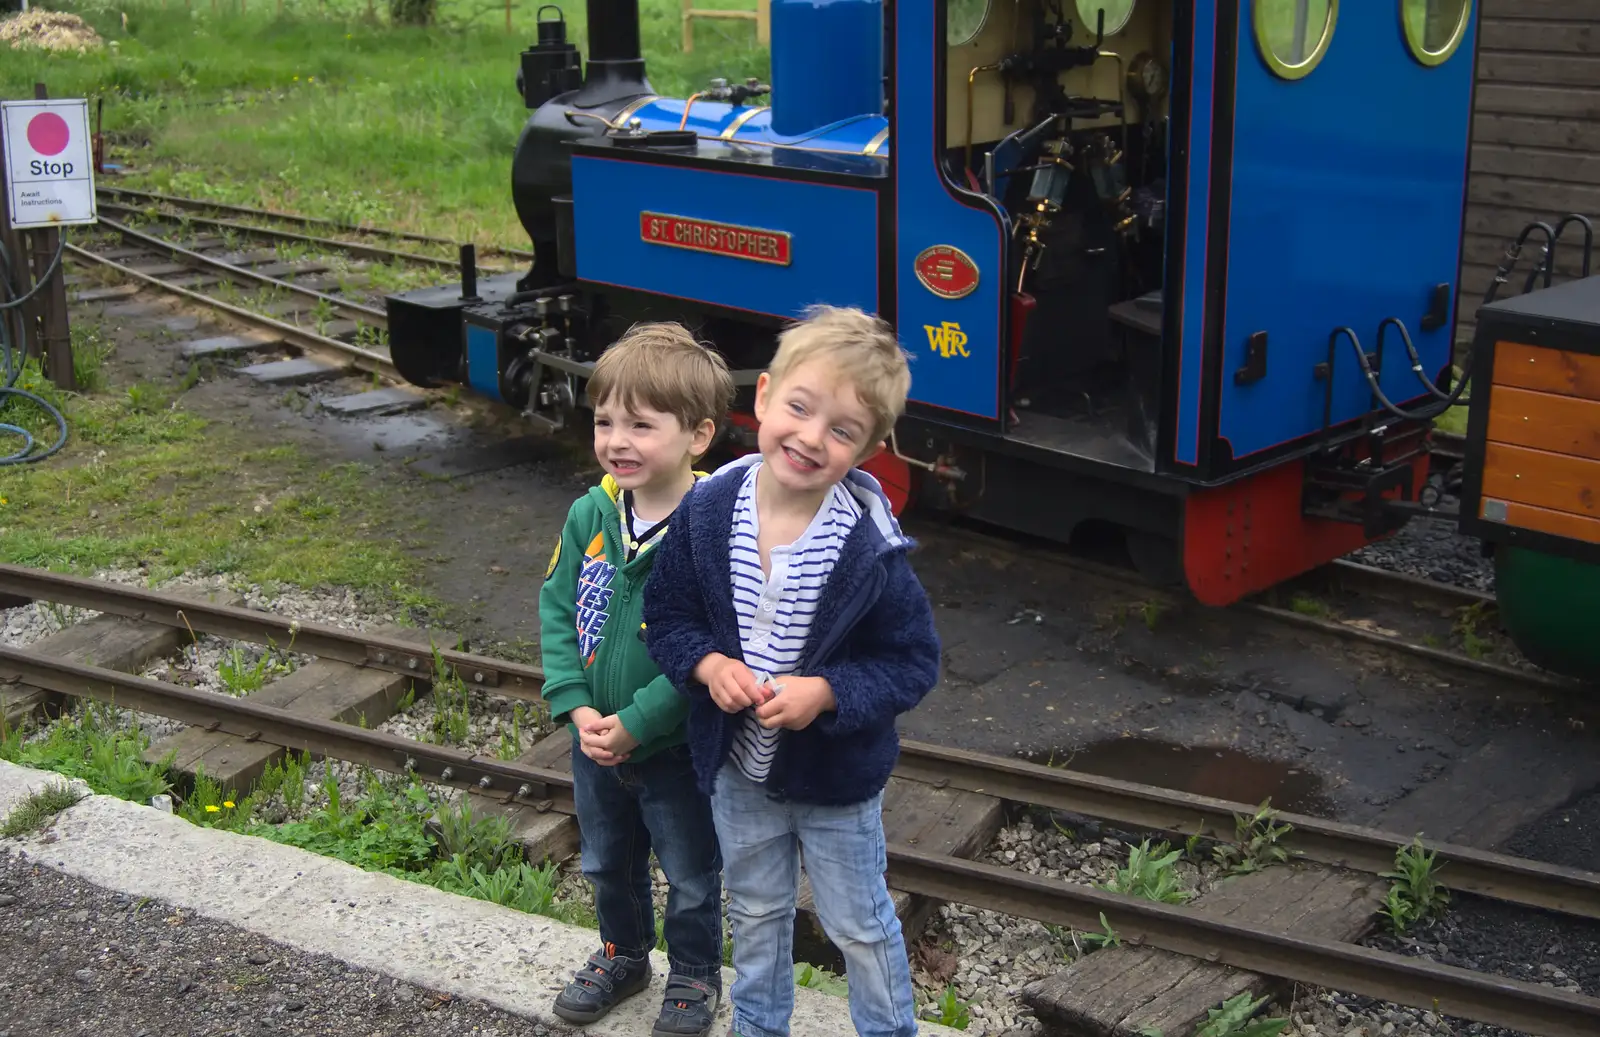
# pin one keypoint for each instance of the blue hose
(10, 300)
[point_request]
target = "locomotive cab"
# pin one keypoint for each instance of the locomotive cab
(1178, 267)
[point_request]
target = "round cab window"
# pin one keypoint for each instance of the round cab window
(1434, 28)
(1117, 13)
(964, 19)
(1293, 35)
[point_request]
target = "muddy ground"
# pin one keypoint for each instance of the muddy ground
(1037, 663)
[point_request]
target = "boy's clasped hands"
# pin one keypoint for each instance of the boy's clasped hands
(734, 688)
(603, 738)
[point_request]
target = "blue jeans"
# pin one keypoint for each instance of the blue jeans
(624, 812)
(845, 858)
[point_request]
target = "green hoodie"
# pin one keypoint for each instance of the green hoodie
(591, 618)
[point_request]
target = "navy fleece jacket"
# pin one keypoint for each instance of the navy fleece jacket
(872, 639)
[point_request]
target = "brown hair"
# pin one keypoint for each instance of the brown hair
(861, 349)
(661, 366)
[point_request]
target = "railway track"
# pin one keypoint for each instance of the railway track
(1455, 992)
(149, 199)
(343, 332)
(1314, 604)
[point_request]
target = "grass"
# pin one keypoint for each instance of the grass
(144, 480)
(321, 110)
(38, 808)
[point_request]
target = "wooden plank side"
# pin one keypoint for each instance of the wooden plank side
(1541, 163)
(1545, 421)
(1543, 520)
(1488, 250)
(1533, 192)
(1546, 370)
(1558, 70)
(1546, 37)
(1581, 135)
(1523, 99)
(1553, 481)
(1540, 10)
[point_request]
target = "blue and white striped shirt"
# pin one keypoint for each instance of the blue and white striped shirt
(775, 612)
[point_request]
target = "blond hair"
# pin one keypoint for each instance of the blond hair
(860, 349)
(662, 367)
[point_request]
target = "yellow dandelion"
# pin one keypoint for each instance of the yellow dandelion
(311, 79)
(297, 79)
(228, 803)
(212, 808)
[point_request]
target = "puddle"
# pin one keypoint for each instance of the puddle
(1220, 773)
(391, 432)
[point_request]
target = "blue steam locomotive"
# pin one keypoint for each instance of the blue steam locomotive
(1169, 267)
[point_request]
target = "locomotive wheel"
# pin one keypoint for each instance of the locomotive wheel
(1548, 605)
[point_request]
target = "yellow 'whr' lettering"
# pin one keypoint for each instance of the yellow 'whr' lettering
(947, 339)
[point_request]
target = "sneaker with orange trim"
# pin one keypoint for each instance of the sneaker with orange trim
(606, 980)
(688, 1007)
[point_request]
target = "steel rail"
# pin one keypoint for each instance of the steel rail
(1513, 879)
(357, 310)
(310, 221)
(1501, 877)
(1281, 616)
(361, 359)
(1445, 989)
(1403, 587)
(1453, 991)
(393, 654)
(253, 721)
(1537, 678)
(353, 247)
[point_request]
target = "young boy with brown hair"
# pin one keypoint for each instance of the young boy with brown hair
(657, 396)
(782, 604)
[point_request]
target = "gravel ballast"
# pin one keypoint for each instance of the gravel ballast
(86, 960)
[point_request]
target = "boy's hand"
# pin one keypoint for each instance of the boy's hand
(606, 741)
(732, 685)
(583, 716)
(802, 699)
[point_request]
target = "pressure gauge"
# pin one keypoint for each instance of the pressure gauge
(1147, 78)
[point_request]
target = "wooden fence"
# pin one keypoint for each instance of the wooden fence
(1535, 136)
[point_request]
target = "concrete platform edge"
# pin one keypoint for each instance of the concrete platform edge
(435, 940)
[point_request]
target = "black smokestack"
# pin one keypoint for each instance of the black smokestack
(616, 68)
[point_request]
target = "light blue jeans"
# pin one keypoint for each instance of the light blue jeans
(845, 858)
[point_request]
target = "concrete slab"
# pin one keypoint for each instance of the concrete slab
(436, 940)
(389, 400)
(158, 269)
(224, 345)
(132, 309)
(195, 280)
(18, 783)
(295, 269)
(118, 291)
(290, 372)
(181, 323)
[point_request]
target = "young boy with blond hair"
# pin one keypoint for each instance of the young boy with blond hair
(783, 605)
(657, 396)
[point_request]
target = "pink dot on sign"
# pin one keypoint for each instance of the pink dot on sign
(47, 133)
